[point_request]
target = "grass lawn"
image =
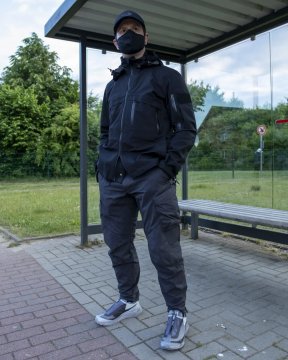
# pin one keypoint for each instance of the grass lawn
(247, 187)
(44, 207)
(51, 207)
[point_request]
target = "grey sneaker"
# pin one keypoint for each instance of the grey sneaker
(176, 329)
(120, 310)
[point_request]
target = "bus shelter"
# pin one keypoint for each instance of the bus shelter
(181, 32)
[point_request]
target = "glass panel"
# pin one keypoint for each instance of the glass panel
(98, 77)
(235, 158)
(279, 47)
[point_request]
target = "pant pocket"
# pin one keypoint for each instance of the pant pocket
(167, 210)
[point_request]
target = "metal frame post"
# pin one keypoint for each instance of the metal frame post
(83, 141)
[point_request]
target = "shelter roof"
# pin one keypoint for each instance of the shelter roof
(180, 31)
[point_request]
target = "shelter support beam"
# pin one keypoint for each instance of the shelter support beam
(83, 142)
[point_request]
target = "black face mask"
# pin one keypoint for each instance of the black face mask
(131, 42)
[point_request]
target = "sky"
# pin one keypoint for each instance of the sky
(245, 70)
(242, 70)
(20, 18)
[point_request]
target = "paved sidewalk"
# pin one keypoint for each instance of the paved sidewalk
(40, 320)
(237, 302)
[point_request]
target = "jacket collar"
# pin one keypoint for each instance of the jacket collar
(149, 59)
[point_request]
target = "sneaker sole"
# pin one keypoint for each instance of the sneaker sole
(129, 314)
(174, 346)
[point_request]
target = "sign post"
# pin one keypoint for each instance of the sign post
(261, 131)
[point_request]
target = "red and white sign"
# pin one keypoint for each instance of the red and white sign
(281, 121)
(261, 130)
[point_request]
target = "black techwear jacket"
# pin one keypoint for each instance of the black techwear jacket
(147, 119)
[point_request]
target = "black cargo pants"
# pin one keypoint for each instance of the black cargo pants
(155, 196)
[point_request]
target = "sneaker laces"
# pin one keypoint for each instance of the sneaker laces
(173, 326)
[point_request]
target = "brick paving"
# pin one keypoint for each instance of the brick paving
(39, 319)
(51, 289)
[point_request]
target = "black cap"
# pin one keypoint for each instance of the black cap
(128, 14)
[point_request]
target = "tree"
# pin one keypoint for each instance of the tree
(280, 137)
(20, 116)
(215, 97)
(94, 105)
(235, 102)
(34, 92)
(197, 92)
(281, 110)
(35, 66)
(229, 139)
(58, 148)
(212, 96)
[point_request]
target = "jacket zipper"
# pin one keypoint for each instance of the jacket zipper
(157, 123)
(133, 112)
(122, 118)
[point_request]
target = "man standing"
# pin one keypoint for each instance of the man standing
(147, 129)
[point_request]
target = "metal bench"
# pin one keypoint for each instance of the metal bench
(268, 218)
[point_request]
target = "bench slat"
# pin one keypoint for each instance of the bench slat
(249, 214)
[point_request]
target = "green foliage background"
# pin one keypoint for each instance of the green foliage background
(229, 140)
(39, 122)
(39, 115)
